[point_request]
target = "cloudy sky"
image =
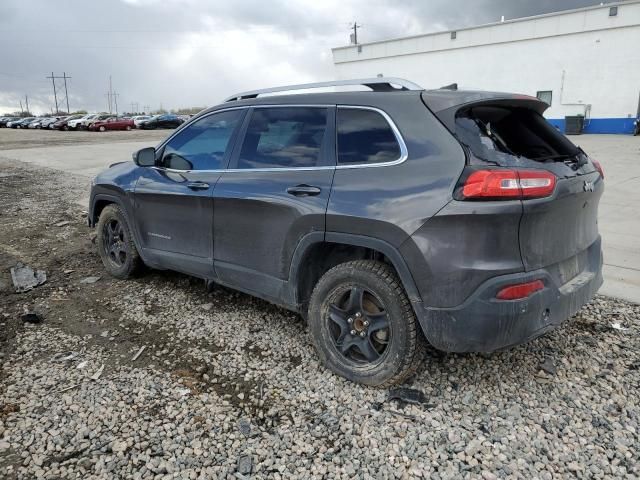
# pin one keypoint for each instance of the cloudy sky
(181, 53)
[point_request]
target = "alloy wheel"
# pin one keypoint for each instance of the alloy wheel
(359, 325)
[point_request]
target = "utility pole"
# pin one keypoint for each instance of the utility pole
(354, 35)
(147, 109)
(64, 77)
(133, 109)
(66, 93)
(21, 110)
(55, 95)
(26, 101)
(115, 100)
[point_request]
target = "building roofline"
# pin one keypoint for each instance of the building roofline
(493, 24)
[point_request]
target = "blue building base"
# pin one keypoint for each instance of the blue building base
(600, 125)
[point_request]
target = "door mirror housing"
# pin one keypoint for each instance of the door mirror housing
(145, 157)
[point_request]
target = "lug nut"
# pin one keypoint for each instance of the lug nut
(358, 314)
(353, 332)
(366, 323)
(362, 334)
(349, 320)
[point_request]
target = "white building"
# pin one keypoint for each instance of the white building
(583, 62)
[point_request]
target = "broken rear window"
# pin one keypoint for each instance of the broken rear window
(502, 135)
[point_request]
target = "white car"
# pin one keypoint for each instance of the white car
(36, 123)
(140, 118)
(75, 123)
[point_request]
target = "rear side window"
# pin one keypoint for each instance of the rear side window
(284, 137)
(202, 145)
(365, 137)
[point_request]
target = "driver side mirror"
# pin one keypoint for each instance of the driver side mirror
(145, 157)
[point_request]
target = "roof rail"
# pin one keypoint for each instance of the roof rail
(378, 84)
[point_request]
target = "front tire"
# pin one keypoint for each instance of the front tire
(363, 325)
(102, 129)
(115, 244)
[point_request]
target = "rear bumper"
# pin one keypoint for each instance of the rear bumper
(484, 324)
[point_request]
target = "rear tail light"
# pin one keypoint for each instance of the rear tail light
(502, 183)
(598, 167)
(520, 290)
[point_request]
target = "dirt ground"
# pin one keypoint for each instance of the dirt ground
(13, 139)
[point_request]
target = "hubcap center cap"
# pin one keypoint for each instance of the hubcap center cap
(358, 324)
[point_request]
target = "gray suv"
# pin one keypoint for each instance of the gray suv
(387, 218)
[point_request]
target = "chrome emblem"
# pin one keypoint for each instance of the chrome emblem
(588, 186)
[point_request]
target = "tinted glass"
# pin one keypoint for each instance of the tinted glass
(286, 137)
(202, 145)
(364, 137)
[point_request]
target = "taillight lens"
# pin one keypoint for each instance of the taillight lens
(598, 167)
(520, 291)
(501, 183)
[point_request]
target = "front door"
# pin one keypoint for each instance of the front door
(275, 192)
(173, 200)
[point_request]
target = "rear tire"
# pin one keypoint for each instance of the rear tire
(363, 325)
(128, 127)
(102, 129)
(116, 247)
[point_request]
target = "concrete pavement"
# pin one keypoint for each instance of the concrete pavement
(619, 215)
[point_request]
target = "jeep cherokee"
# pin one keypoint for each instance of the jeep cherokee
(387, 218)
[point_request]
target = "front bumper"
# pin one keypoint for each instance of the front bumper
(484, 324)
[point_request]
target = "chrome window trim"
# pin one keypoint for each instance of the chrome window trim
(404, 153)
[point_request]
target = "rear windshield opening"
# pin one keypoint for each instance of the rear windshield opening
(498, 133)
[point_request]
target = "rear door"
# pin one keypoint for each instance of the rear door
(173, 200)
(275, 192)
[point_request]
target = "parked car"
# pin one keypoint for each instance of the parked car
(63, 123)
(112, 123)
(161, 121)
(45, 123)
(97, 118)
(386, 218)
(5, 120)
(22, 123)
(76, 123)
(140, 118)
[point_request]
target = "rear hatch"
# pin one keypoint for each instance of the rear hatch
(510, 134)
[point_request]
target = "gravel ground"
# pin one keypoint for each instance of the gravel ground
(229, 387)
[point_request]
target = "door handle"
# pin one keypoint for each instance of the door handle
(303, 191)
(198, 185)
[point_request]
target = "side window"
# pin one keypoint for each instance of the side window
(284, 137)
(202, 145)
(365, 137)
(545, 96)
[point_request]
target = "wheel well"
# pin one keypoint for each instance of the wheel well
(322, 257)
(97, 209)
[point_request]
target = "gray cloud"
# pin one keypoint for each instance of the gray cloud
(195, 52)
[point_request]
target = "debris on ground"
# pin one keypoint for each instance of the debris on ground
(618, 326)
(62, 224)
(244, 426)
(90, 280)
(407, 395)
(65, 357)
(138, 353)
(96, 375)
(31, 317)
(548, 366)
(25, 278)
(245, 465)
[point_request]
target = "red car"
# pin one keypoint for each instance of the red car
(112, 123)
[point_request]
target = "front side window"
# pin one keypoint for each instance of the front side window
(284, 137)
(202, 145)
(365, 137)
